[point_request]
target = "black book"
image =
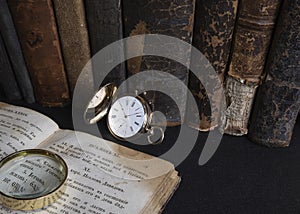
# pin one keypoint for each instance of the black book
(8, 83)
(104, 20)
(213, 33)
(278, 100)
(14, 52)
(170, 18)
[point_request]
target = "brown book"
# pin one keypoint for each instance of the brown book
(171, 18)
(36, 28)
(278, 100)
(255, 25)
(213, 31)
(72, 28)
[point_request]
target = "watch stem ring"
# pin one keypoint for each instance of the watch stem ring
(152, 133)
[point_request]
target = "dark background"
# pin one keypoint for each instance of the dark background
(242, 177)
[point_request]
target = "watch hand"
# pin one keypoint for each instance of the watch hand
(133, 114)
(122, 109)
(127, 104)
(122, 122)
(123, 129)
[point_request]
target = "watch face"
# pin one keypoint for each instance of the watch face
(97, 99)
(126, 117)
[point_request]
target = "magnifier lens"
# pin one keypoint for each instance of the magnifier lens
(31, 175)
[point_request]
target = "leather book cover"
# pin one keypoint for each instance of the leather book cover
(105, 26)
(278, 101)
(8, 83)
(14, 53)
(251, 43)
(213, 32)
(36, 28)
(72, 29)
(171, 18)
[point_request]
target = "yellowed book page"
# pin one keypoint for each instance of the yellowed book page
(22, 128)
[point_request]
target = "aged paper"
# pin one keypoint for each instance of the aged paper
(22, 128)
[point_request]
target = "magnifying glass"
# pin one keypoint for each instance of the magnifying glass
(31, 179)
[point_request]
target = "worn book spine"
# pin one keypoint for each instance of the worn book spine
(72, 28)
(278, 100)
(171, 18)
(255, 25)
(14, 52)
(36, 28)
(213, 32)
(105, 26)
(8, 83)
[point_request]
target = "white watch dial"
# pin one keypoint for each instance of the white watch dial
(126, 117)
(97, 99)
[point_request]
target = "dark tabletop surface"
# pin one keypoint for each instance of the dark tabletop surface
(241, 177)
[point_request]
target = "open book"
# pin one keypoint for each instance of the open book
(104, 177)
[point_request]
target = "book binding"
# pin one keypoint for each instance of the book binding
(105, 26)
(169, 18)
(252, 39)
(213, 32)
(72, 28)
(278, 101)
(36, 27)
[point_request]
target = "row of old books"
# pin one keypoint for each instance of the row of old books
(253, 45)
(261, 73)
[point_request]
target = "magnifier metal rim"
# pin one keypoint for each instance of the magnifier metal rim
(35, 202)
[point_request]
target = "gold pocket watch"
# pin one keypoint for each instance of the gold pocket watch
(127, 116)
